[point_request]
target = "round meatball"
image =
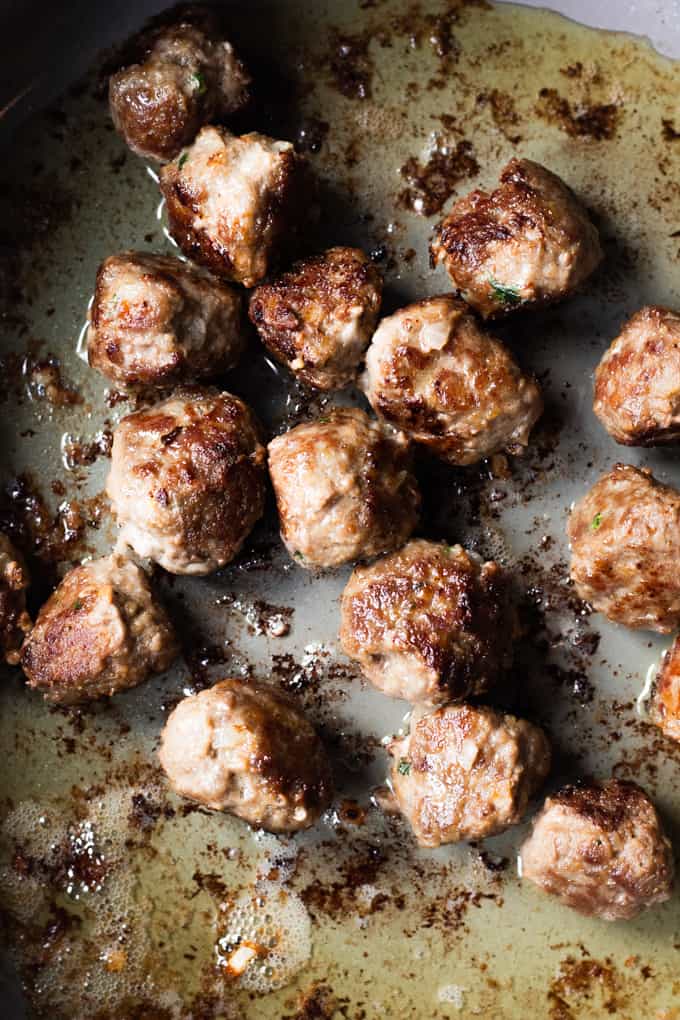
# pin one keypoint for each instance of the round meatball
(245, 748)
(232, 202)
(431, 371)
(637, 383)
(156, 321)
(600, 849)
(344, 489)
(14, 620)
(466, 773)
(318, 318)
(186, 77)
(100, 632)
(429, 623)
(666, 709)
(625, 549)
(529, 242)
(187, 480)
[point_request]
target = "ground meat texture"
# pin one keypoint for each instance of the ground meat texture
(187, 480)
(600, 849)
(625, 549)
(666, 709)
(14, 620)
(344, 489)
(433, 372)
(529, 242)
(234, 202)
(156, 321)
(466, 773)
(245, 748)
(318, 318)
(186, 77)
(101, 632)
(429, 623)
(637, 383)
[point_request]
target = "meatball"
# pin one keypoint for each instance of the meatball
(187, 77)
(600, 849)
(429, 623)
(431, 371)
(101, 631)
(156, 321)
(318, 318)
(14, 620)
(244, 747)
(637, 383)
(187, 480)
(529, 242)
(625, 549)
(465, 773)
(666, 712)
(344, 489)
(232, 201)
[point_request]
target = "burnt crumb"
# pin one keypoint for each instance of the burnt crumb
(350, 892)
(503, 112)
(319, 1001)
(144, 812)
(311, 135)
(493, 864)
(350, 65)
(260, 617)
(77, 453)
(574, 70)
(668, 131)
(37, 375)
(596, 121)
(430, 185)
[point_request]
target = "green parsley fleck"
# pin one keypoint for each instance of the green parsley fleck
(198, 82)
(404, 767)
(182, 160)
(298, 555)
(77, 605)
(596, 522)
(503, 294)
(324, 421)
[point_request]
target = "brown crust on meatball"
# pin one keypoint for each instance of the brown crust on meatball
(666, 709)
(15, 622)
(601, 850)
(529, 242)
(317, 319)
(429, 623)
(101, 632)
(637, 383)
(466, 772)
(625, 539)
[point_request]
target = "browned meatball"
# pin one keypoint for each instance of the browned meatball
(637, 383)
(14, 581)
(187, 480)
(600, 849)
(318, 318)
(187, 75)
(344, 489)
(156, 320)
(233, 202)
(100, 632)
(244, 747)
(625, 549)
(666, 711)
(529, 242)
(431, 371)
(429, 623)
(467, 773)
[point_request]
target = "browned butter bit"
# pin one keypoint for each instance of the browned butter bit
(431, 184)
(596, 121)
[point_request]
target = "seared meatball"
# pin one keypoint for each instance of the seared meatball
(465, 773)
(637, 383)
(625, 549)
(187, 480)
(186, 77)
(318, 318)
(244, 747)
(600, 849)
(529, 242)
(429, 623)
(431, 371)
(100, 632)
(344, 489)
(156, 321)
(232, 202)
(14, 620)
(666, 711)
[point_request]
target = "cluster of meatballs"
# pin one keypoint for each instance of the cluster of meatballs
(426, 622)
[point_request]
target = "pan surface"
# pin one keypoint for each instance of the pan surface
(118, 899)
